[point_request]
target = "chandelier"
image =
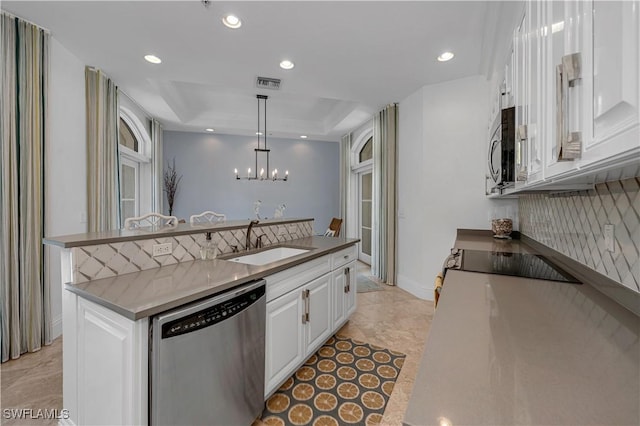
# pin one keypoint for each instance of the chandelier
(262, 150)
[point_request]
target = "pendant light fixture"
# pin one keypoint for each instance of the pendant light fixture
(262, 149)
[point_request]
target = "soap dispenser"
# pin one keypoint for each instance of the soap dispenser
(209, 250)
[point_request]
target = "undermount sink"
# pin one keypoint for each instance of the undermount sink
(268, 256)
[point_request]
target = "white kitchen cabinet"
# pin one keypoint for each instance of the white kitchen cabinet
(344, 293)
(611, 69)
(108, 356)
(529, 50)
(284, 338)
(306, 304)
(563, 34)
(318, 315)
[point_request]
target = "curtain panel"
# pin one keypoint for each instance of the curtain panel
(384, 247)
(103, 160)
(25, 315)
(156, 161)
(345, 183)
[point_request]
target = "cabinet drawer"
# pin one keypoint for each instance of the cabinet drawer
(343, 257)
(292, 278)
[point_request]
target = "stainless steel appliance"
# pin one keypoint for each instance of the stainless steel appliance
(207, 360)
(504, 263)
(501, 153)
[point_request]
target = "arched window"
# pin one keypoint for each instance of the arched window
(135, 166)
(366, 153)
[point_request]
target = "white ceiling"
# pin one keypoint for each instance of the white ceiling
(352, 58)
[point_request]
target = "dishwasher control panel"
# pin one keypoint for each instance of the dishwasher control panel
(212, 315)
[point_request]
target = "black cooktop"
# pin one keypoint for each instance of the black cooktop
(516, 264)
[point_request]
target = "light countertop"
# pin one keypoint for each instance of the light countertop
(506, 350)
(120, 235)
(145, 293)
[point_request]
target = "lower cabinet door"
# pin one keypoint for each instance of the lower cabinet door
(284, 338)
(339, 291)
(352, 287)
(319, 325)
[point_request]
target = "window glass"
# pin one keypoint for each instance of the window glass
(127, 138)
(128, 189)
(366, 153)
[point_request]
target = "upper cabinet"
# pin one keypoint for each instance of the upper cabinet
(576, 91)
(612, 87)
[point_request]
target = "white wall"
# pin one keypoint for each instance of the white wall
(441, 161)
(65, 164)
(206, 163)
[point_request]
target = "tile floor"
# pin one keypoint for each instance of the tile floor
(391, 318)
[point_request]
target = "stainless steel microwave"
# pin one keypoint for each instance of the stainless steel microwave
(501, 152)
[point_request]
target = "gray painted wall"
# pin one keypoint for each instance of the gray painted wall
(206, 162)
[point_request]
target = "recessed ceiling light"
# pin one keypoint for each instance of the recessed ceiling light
(287, 64)
(259, 133)
(303, 136)
(445, 56)
(153, 59)
(209, 129)
(232, 21)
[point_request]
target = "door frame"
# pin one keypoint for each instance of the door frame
(357, 168)
(366, 258)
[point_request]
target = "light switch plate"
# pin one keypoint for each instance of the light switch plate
(162, 249)
(609, 238)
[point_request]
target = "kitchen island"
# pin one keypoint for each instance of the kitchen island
(115, 285)
(511, 350)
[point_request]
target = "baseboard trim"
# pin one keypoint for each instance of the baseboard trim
(56, 327)
(419, 290)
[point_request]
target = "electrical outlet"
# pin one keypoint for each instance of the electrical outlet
(609, 239)
(162, 249)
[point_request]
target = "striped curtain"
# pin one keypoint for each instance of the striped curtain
(25, 315)
(345, 183)
(156, 173)
(384, 247)
(103, 160)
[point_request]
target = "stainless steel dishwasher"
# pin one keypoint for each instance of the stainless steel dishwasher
(207, 360)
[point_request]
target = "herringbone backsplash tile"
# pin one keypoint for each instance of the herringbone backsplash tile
(573, 224)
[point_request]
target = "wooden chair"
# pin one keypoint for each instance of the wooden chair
(155, 220)
(207, 217)
(334, 228)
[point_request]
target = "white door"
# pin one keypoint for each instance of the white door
(365, 207)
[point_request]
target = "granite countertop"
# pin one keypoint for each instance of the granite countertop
(145, 293)
(511, 350)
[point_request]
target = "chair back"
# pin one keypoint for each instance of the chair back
(207, 217)
(334, 226)
(155, 220)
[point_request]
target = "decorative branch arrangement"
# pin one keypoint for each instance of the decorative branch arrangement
(171, 182)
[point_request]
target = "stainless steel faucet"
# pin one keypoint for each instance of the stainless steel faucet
(248, 241)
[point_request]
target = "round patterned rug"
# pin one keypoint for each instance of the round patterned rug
(345, 382)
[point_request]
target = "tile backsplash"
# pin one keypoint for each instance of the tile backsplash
(108, 260)
(573, 224)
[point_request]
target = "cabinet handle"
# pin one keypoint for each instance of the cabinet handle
(347, 287)
(305, 296)
(568, 143)
(346, 256)
(521, 135)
